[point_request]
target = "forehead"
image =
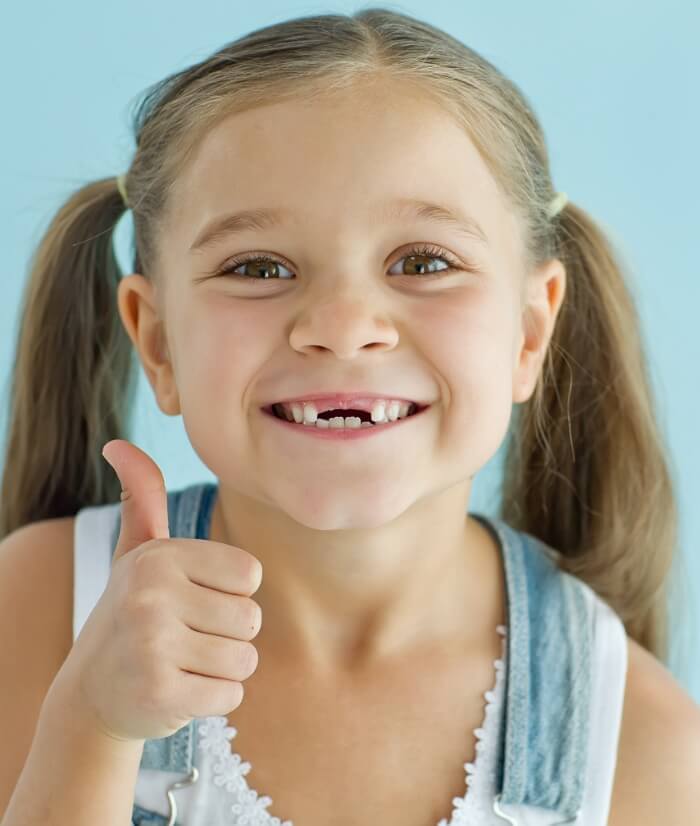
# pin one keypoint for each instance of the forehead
(335, 160)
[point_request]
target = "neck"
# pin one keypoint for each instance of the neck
(335, 607)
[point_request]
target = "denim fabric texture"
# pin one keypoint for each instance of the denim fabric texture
(143, 817)
(544, 748)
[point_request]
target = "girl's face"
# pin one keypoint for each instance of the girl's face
(345, 306)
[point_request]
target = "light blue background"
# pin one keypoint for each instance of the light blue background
(613, 83)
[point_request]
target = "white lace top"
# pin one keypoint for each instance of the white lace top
(221, 794)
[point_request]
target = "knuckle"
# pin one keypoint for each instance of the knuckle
(252, 617)
(235, 694)
(253, 573)
(147, 549)
(146, 569)
(146, 605)
(249, 657)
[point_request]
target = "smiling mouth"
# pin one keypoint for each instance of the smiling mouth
(365, 417)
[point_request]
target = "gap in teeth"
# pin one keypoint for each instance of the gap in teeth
(382, 412)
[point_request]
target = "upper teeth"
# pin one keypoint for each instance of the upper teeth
(382, 411)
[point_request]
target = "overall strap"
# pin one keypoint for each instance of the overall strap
(543, 758)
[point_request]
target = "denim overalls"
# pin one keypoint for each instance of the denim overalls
(565, 677)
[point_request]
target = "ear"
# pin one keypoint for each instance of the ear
(141, 315)
(543, 295)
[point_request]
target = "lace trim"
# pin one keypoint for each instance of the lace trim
(230, 770)
(474, 807)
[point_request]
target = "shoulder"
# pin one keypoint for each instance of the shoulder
(36, 568)
(42, 547)
(658, 760)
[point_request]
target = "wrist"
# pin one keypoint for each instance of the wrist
(65, 710)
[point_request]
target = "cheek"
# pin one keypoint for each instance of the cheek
(468, 339)
(218, 362)
(225, 346)
(468, 344)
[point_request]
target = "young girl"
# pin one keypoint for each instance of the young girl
(353, 277)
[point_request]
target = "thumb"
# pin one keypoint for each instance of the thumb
(144, 499)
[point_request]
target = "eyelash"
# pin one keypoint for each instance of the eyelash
(427, 250)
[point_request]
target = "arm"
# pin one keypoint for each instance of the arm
(55, 767)
(74, 775)
(673, 767)
(658, 766)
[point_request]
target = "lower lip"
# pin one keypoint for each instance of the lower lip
(343, 433)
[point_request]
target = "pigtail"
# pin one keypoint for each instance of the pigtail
(72, 383)
(586, 469)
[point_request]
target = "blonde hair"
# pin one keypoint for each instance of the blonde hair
(586, 468)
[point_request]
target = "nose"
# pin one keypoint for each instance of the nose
(343, 327)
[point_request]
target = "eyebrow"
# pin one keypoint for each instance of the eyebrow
(265, 218)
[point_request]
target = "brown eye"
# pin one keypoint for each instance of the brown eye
(256, 268)
(422, 266)
(267, 268)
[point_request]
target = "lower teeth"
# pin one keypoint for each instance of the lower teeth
(328, 424)
(337, 423)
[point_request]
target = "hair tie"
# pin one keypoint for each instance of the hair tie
(121, 186)
(558, 202)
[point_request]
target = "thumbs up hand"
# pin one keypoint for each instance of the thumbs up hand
(169, 639)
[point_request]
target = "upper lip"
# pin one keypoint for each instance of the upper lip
(345, 401)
